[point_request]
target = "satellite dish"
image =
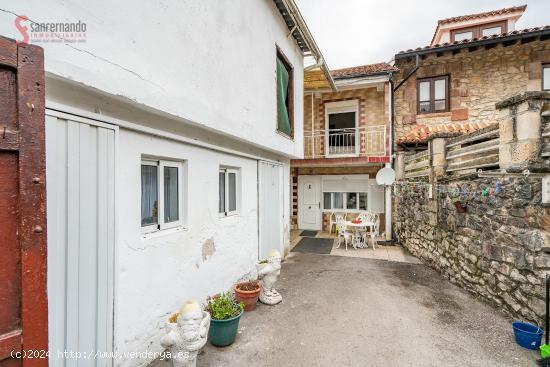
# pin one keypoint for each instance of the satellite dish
(385, 176)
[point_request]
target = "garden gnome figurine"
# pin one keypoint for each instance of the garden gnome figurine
(268, 274)
(187, 335)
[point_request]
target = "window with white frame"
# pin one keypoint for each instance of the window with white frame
(345, 201)
(341, 127)
(161, 194)
(228, 192)
(351, 193)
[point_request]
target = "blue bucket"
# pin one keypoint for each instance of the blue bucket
(527, 335)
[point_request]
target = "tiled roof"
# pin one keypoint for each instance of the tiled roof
(523, 32)
(420, 133)
(482, 15)
(363, 70)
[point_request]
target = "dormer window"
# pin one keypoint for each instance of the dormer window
(468, 35)
(486, 32)
(482, 30)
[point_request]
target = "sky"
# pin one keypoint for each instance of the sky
(358, 32)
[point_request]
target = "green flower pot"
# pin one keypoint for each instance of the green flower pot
(223, 332)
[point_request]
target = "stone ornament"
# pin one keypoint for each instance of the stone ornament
(268, 274)
(186, 336)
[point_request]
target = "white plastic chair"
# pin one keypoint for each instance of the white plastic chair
(332, 222)
(373, 232)
(366, 217)
(343, 233)
(335, 222)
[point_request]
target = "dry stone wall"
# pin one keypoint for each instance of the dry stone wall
(499, 249)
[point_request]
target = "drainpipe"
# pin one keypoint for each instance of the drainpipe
(387, 209)
(417, 65)
(312, 126)
(388, 190)
(392, 116)
(388, 200)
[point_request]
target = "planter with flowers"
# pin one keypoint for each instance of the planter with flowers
(225, 312)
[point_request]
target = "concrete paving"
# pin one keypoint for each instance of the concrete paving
(345, 311)
(389, 253)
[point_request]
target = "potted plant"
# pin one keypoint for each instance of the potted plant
(225, 312)
(248, 293)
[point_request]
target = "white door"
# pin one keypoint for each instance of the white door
(309, 202)
(80, 170)
(270, 202)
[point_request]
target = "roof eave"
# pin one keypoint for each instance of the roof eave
(364, 75)
(478, 43)
(302, 32)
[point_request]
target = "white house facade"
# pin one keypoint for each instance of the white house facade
(168, 168)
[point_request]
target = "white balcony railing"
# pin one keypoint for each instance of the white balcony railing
(353, 142)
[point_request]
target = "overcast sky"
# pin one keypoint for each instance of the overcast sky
(358, 32)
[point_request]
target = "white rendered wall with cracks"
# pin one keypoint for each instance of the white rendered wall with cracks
(208, 63)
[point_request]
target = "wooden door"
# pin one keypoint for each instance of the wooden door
(23, 301)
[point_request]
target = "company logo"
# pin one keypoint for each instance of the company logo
(23, 29)
(32, 32)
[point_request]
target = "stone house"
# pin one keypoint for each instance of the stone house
(347, 138)
(477, 98)
(473, 62)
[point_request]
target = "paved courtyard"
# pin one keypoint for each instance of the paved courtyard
(390, 253)
(348, 311)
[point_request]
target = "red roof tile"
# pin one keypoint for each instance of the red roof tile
(420, 133)
(523, 32)
(363, 70)
(482, 15)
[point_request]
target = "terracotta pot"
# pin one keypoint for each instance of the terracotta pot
(249, 298)
(460, 208)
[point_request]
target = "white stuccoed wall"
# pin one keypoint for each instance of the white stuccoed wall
(156, 274)
(204, 70)
(211, 63)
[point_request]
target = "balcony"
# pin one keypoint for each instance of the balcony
(365, 141)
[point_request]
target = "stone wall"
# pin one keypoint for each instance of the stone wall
(478, 79)
(499, 249)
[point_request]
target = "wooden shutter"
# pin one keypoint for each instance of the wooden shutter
(23, 301)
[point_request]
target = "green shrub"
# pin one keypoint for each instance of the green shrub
(224, 306)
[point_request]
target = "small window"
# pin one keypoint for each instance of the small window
(433, 94)
(546, 77)
(424, 96)
(285, 95)
(483, 30)
(227, 192)
(337, 200)
(161, 194)
(362, 201)
(345, 201)
(491, 31)
(463, 36)
(326, 200)
(351, 200)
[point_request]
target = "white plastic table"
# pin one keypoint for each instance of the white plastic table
(356, 229)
